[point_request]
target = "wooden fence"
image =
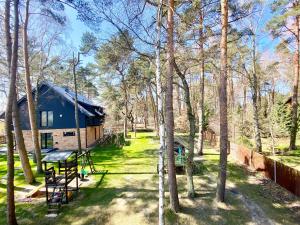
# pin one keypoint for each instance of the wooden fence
(285, 176)
(210, 136)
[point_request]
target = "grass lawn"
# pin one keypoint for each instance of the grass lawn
(19, 176)
(290, 158)
(128, 194)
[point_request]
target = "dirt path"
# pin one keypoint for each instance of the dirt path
(257, 214)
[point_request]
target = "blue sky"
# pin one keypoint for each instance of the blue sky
(74, 34)
(78, 28)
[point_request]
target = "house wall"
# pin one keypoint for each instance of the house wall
(59, 141)
(68, 142)
(94, 133)
(49, 100)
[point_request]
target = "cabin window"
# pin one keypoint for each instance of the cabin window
(46, 140)
(50, 118)
(67, 134)
(46, 118)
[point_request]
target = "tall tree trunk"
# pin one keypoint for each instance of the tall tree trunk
(29, 177)
(221, 183)
(273, 92)
(201, 113)
(160, 113)
(154, 108)
(146, 111)
(174, 201)
(244, 102)
(135, 119)
(12, 63)
(131, 119)
(294, 127)
(125, 128)
(31, 106)
(231, 104)
(178, 99)
(256, 107)
(75, 63)
(191, 118)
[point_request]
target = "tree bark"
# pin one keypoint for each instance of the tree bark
(192, 120)
(76, 103)
(254, 86)
(132, 118)
(154, 108)
(178, 100)
(221, 183)
(231, 104)
(125, 128)
(202, 79)
(31, 106)
(160, 114)
(135, 120)
(12, 62)
(146, 112)
(244, 110)
(29, 177)
(294, 127)
(174, 201)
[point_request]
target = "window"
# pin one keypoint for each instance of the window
(70, 133)
(46, 140)
(43, 119)
(50, 118)
(46, 118)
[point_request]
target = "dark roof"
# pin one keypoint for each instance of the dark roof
(68, 94)
(85, 105)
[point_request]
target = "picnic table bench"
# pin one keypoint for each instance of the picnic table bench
(58, 182)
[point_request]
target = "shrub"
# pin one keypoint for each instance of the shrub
(243, 140)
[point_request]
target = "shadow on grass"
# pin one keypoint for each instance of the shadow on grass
(131, 173)
(234, 211)
(101, 179)
(204, 154)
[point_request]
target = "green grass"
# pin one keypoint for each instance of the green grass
(19, 176)
(127, 194)
(239, 177)
(289, 158)
(283, 155)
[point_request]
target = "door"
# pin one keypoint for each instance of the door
(46, 140)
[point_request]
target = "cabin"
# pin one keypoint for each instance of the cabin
(56, 118)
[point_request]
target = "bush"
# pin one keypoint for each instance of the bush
(117, 139)
(199, 169)
(243, 140)
(171, 217)
(246, 129)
